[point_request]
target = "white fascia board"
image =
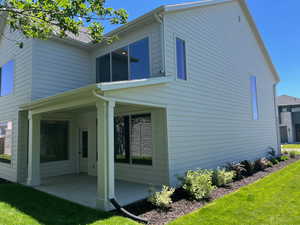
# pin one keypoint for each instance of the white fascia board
(183, 6)
(57, 97)
(109, 86)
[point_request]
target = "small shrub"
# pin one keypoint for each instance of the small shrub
(283, 158)
(261, 164)
(292, 154)
(221, 177)
(198, 184)
(238, 168)
(274, 161)
(272, 153)
(285, 152)
(249, 167)
(162, 199)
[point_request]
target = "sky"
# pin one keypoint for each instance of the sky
(278, 23)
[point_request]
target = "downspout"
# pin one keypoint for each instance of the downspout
(276, 120)
(159, 18)
(113, 201)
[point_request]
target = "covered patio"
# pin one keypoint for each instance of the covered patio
(98, 175)
(82, 189)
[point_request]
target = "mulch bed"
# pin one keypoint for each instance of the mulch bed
(2, 181)
(182, 206)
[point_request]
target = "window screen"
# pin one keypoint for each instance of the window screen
(54, 140)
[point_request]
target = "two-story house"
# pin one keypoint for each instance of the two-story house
(186, 86)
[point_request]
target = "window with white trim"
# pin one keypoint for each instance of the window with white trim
(5, 141)
(253, 86)
(7, 78)
(133, 139)
(181, 59)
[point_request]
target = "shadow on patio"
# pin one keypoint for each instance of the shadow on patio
(23, 205)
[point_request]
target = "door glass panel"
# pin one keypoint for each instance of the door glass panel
(103, 69)
(122, 139)
(120, 64)
(139, 59)
(141, 139)
(84, 144)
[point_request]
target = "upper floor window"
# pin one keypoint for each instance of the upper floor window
(254, 97)
(181, 58)
(126, 63)
(7, 78)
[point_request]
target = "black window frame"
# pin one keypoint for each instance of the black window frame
(68, 138)
(129, 76)
(128, 158)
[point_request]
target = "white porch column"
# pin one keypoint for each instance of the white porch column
(105, 148)
(34, 150)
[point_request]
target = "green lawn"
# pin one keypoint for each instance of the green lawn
(292, 146)
(21, 205)
(274, 200)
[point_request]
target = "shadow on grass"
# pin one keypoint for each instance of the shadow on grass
(47, 209)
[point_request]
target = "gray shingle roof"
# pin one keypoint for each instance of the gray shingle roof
(287, 100)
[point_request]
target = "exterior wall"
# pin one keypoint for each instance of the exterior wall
(287, 120)
(209, 115)
(156, 174)
(153, 31)
(21, 93)
(59, 67)
(50, 169)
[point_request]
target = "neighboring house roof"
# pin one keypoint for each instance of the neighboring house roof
(285, 100)
(84, 40)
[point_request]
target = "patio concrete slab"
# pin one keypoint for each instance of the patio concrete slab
(81, 188)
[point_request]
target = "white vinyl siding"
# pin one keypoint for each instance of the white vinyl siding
(9, 104)
(253, 87)
(58, 67)
(209, 117)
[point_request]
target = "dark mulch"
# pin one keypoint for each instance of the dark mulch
(182, 206)
(2, 181)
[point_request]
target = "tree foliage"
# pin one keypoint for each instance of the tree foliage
(44, 18)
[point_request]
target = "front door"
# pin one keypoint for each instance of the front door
(83, 151)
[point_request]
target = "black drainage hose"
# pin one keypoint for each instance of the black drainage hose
(126, 213)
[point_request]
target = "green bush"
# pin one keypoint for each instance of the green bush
(162, 199)
(221, 177)
(283, 158)
(274, 161)
(272, 153)
(292, 154)
(249, 167)
(285, 152)
(261, 164)
(198, 184)
(238, 168)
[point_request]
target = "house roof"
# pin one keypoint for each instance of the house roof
(284, 100)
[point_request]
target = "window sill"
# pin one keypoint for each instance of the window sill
(127, 165)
